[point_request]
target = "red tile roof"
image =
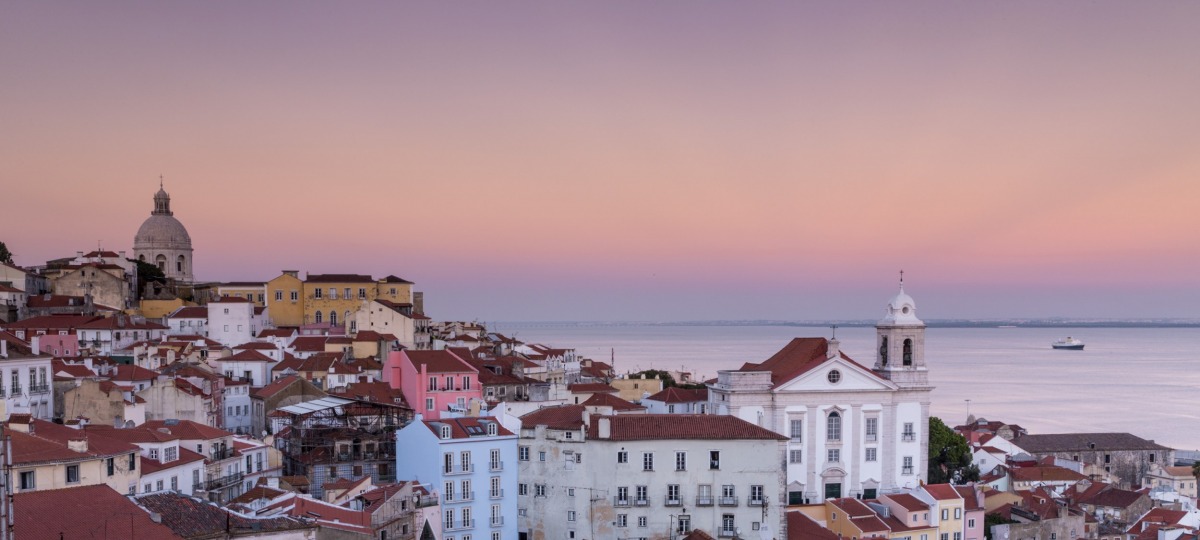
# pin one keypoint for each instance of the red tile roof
(247, 355)
(130, 372)
(438, 362)
(338, 278)
(608, 400)
(83, 512)
(557, 417)
(257, 345)
(49, 442)
(229, 300)
(907, 501)
(190, 312)
(393, 279)
(640, 427)
(465, 428)
(1043, 473)
(680, 395)
(798, 357)
(943, 492)
(802, 527)
(188, 429)
(192, 517)
(150, 466)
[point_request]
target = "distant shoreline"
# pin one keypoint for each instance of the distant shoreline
(932, 323)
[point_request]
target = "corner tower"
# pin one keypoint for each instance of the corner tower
(900, 342)
(164, 242)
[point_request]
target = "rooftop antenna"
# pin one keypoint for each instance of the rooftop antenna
(834, 328)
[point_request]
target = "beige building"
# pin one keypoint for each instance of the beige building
(285, 303)
(104, 403)
(253, 291)
(106, 283)
(51, 456)
(1178, 479)
(384, 316)
(332, 298)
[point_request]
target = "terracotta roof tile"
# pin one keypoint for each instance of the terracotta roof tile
(465, 428)
(188, 429)
(438, 361)
(557, 417)
(608, 400)
(943, 492)
(40, 514)
(680, 395)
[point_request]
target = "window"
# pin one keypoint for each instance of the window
(295, 295)
(174, 483)
(541, 455)
(958, 536)
(317, 318)
(673, 493)
(727, 528)
(429, 404)
(448, 462)
(570, 515)
(796, 429)
(908, 467)
(278, 295)
(317, 293)
(28, 481)
(642, 497)
(833, 426)
(623, 495)
(871, 454)
(756, 495)
(958, 513)
(647, 461)
(445, 432)
(714, 459)
(158, 486)
(641, 521)
(1107, 458)
(681, 461)
(834, 376)
(522, 489)
(466, 383)
(347, 292)
(833, 455)
(945, 514)
(539, 490)
(908, 353)
(494, 454)
(622, 457)
(362, 293)
(154, 454)
(971, 525)
(464, 459)
(622, 520)
(132, 462)
(909, 434)
(872, 427)
(795, 456)
(110, 466)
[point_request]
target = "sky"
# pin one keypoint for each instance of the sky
(627, 160)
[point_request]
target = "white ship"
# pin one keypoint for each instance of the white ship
(1070, 344)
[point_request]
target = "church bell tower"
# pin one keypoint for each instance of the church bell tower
(900, 342)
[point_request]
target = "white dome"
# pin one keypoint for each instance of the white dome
(161, 231)
(901, 310)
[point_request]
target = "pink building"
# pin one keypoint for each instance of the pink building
(59, 346)
(433, 382)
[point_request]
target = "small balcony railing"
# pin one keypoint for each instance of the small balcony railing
(218, 455)
(470, 468)
(460, 525)
(497, 521)
(704, 500)
(496, 494)
(727, 501)
(220, 483)
(16, 390)
(426, 501)
(466, 496)
(906, 470)
(39, 389)
(672, 501)
(755, 500)
(726, 533)
(908, 437)
(496, 466)
(871, 437)
(641, 502)
(617, 501)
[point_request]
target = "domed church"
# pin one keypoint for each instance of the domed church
(164, 242)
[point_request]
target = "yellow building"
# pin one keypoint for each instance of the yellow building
(334, 298)
(52, 456)
(947, 513)
(285, 300)
(253, 291)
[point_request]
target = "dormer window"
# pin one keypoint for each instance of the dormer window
(445, 432)
(491, 428)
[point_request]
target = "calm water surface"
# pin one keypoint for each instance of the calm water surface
(1143, 381)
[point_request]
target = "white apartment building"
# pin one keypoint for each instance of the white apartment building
(25, 382)
(853, 431)
(647, 476)
(231, 320)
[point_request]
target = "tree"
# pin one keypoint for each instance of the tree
(667, 379)
(5, 254)
(148, 273)
(949, 455)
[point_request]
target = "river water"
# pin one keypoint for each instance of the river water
(1144, 381)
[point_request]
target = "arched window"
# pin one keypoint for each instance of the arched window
(908, 352)
(883, 346)
(318, 317)
(179, 264)
(142, 258)
(332, 317)
(833, 426)
(161, 261)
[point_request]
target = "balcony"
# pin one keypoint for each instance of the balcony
(726, 533)
(908, 437)
(496, 494)
(219, 483)
(218, 455)
(497, 521)
(16, 390)
(466, 496)
(460, 525)
(39, 389)
(704, 500)
(468, 469)
(906, 470)
(756, 500)
(617, 501)
(496, 466)
(727, 501)
(672, 501)
(641, 502)
(871, 437)
(427, 501)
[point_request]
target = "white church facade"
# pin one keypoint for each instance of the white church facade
(852, 431)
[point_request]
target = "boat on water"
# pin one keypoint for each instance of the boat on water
(1070, 344)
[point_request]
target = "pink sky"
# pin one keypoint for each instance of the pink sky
(627, 160)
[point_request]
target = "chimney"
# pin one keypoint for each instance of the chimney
(121, 253)
(605, 428)
(77, 445)
(832, 350)
(78, 254)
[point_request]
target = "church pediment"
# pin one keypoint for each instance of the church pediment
(836, 375)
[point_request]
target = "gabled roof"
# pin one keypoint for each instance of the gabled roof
(557, 417)
(277, 333)
(438, 361)
(1046, 473)
(247, 355)
(907, 501)
(83, 512)
(49, 442)
(943, 492)
(190, 312)
(132, 372)
(644, 427)
(1067, 442)
(393, 279)
(61, 322)
(680, 395)
(187, 429)
(798, 357)
(338, 278)
(608, 400)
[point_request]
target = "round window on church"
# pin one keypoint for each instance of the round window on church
(905, 310)
(834, 376)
